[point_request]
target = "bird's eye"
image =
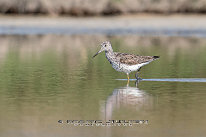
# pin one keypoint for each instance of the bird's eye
(105, 45)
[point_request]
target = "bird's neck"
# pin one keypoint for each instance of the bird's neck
(109, 55)
(109, 52)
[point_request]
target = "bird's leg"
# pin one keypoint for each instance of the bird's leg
(136, 75)
(127, 79)
(138, 78)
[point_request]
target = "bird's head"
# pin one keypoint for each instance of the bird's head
(105, 46)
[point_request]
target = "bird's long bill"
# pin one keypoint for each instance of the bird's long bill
(96, 54)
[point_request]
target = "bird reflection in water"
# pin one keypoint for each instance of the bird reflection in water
(129, 97)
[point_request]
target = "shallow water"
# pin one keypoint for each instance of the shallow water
(46, 78)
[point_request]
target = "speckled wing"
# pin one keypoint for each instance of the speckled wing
(131, 59)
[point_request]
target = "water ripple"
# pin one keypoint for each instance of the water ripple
(172, 79)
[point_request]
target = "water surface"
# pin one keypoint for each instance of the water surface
(46, 78)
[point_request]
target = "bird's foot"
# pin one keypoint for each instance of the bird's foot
(137, 81)
(136, 76)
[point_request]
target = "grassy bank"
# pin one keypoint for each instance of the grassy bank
(100, 7)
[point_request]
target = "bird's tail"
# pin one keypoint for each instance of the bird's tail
(156, 57)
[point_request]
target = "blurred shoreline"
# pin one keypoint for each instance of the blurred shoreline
(140, 24)
(100, 7)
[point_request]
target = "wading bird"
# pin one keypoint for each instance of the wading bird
(124, 62)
